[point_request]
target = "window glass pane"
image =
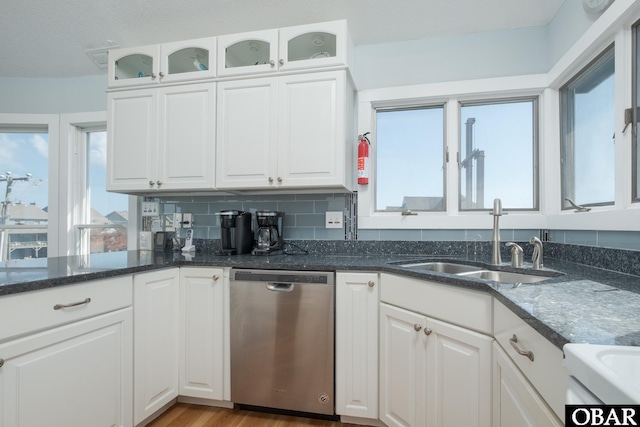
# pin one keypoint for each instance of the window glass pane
(410, 159)
(498, 155)
(588, 126)
(108, 209)
(636, 117)
(23, 185)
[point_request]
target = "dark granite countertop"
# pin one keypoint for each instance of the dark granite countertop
(584, 305)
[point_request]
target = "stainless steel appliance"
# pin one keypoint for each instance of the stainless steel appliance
(236, 234)
(282, 339)
(270, 240)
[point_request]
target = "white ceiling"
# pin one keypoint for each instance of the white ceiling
(45, 38)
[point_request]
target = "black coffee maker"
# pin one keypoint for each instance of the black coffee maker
(235, 232)
(270, 240)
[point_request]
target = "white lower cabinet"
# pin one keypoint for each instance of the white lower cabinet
(204, 351)
(357, 300)
(515, 401)
(156, 351)
(432, 373)
(78, 374)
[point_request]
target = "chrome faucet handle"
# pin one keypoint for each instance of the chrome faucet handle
(536, 257)
(516, 254)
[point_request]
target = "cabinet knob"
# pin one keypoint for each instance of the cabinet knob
(159, 183)
(417, 327)
(215, 278)
(371, 283)
(153, 76)
(427, 331)
(151, 183)
(272, 63)
(161, 74)
(1, 363)
(270, 180)
(281, 62)
(280, 180)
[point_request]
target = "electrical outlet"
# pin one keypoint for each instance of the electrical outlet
(333, 219)
(177, 220)
(187, 220)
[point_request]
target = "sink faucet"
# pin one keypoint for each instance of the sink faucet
(495, 250)
(536, 258)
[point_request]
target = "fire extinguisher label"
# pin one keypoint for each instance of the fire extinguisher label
(363, 167)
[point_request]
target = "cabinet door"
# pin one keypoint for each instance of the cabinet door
(247, 133)
(357, 344)
(135, 66)
(458, 376)
(318, 45)
(203, 331)
(515, 401)
(402, 367)
(248, 53)
(312, 130)
(186, 153)
(132, 140)
(74, 375)
(155, 302)
(188, 60)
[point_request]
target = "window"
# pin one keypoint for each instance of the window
(498, 154)
(103, 216)
(410, 159)
(587, 128)
(24, 156)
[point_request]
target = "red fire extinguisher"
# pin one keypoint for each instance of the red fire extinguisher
(363, 159)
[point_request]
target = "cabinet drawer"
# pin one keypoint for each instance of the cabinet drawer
(31, 311)
(545, 371)
(462, 307)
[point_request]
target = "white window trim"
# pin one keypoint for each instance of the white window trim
(613, 26)
(73, 161)
(51, 122)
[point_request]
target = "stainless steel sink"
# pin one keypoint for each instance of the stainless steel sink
(443, 267)
(505, 276)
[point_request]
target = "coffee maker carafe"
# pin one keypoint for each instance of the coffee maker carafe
(235, 232)
(269, 240)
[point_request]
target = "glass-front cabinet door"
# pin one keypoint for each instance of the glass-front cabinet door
(248, 53)
(134, 66)
(315, 45)
(188, 60)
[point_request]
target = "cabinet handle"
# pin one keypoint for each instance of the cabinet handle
(73, 304)
(427, 331)
(151, 183)
(371, 283)
(215, 278)
(514, 343)
(417, 327)
(272, 63)
(159, 183)
(281, 62)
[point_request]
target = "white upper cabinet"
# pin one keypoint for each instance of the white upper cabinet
(310, 46)
(165, 63)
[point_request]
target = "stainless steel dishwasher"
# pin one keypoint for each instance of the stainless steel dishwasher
(282, 339)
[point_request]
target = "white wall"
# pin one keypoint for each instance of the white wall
(514, 52)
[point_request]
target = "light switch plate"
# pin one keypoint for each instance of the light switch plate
(333, 219)
(150, 209)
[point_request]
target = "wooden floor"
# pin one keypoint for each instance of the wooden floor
(188, 415)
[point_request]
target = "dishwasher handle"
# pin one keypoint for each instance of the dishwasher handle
(279, 287)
